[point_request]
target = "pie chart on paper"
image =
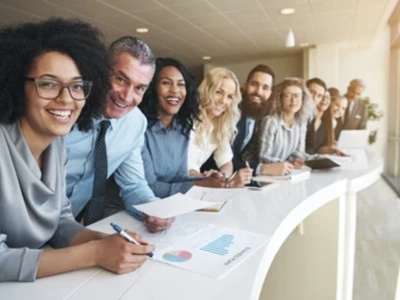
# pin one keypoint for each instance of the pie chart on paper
(177, 256)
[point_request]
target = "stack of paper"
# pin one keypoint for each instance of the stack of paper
(295, 176)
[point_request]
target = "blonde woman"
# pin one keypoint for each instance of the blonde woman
(283, 131)
(338, 107)
(219, 96)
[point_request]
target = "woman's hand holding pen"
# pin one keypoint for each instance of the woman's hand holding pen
(215, 174)
(277, 169)
(119, 256)
(240, 178)
(298, 163)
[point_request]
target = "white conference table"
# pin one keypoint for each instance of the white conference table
(310, 255)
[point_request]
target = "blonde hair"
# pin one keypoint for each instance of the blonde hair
(338, 98)
(223, 127)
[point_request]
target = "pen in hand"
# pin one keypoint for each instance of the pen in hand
(128, 237)
(231, 177)
(247, 164)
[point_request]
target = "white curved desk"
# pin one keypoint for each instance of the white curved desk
(272, 271)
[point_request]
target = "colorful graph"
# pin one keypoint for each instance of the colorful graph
(177, 256)
(220, 245)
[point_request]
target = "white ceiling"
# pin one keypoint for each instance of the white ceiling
(226, 30)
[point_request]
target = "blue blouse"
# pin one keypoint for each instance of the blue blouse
(165, 159)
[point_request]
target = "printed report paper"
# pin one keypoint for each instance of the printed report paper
(212, 251)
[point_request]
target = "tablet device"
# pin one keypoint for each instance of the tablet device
(321, 163)
(353, 139)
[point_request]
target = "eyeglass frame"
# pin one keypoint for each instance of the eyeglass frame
(292, 96)
(63, 85)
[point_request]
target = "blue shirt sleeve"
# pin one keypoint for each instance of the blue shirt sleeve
(131, 179)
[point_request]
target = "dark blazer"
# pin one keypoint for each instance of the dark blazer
(237, 161)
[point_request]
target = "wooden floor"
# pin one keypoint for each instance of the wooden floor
(378, 243)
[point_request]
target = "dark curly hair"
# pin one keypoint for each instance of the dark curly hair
(21, 45)
(190, 108)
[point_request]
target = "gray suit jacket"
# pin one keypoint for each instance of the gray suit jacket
(358, 117)
(34, 209)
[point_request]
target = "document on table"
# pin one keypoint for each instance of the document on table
(172, 206)
(216, 195)
(165, 238)
(295, 176)
(212, 251)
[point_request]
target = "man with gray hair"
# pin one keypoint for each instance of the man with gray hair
(114, 146)
(356, 115)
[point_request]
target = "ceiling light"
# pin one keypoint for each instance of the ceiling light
(287, 11)
(304, 44)
(206, 57)
(142, 30)
(290, 42)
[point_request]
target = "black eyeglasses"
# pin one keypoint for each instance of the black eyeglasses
(50, 89)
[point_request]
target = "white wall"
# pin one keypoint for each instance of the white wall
(282, 66)
(372, 65)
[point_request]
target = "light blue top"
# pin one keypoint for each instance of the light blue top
(165, 160)
(124, 142)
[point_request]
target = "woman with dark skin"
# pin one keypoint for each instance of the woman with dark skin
(53, 74)
(170, 106)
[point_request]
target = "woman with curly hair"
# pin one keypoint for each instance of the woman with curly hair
(170, 105)
(283, 130)
(219, 97)
(53, 74)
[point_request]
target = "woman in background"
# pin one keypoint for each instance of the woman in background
(283, 130)
(219, 97)
(324, 141)
(53, 74)
(170, 106)
(338, 107)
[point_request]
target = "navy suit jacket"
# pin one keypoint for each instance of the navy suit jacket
(237, 161)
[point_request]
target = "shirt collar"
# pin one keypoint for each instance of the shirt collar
(283, 124)
(159, 126)
(113, 122)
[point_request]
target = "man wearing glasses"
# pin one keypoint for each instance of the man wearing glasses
(114, 146)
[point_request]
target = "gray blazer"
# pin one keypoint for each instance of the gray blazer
(33, 207)
(357, 118)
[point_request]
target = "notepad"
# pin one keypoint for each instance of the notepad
(217, 195)
(327, 162)
(215, 208)
(172, 206)
(295, 176)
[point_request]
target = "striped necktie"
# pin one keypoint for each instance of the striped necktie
(94, 210)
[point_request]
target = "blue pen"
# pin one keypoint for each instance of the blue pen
(128, 237)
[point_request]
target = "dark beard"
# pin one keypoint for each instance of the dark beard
(256, 111)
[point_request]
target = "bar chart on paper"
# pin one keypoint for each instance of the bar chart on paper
(220, 245)
(212, 251)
